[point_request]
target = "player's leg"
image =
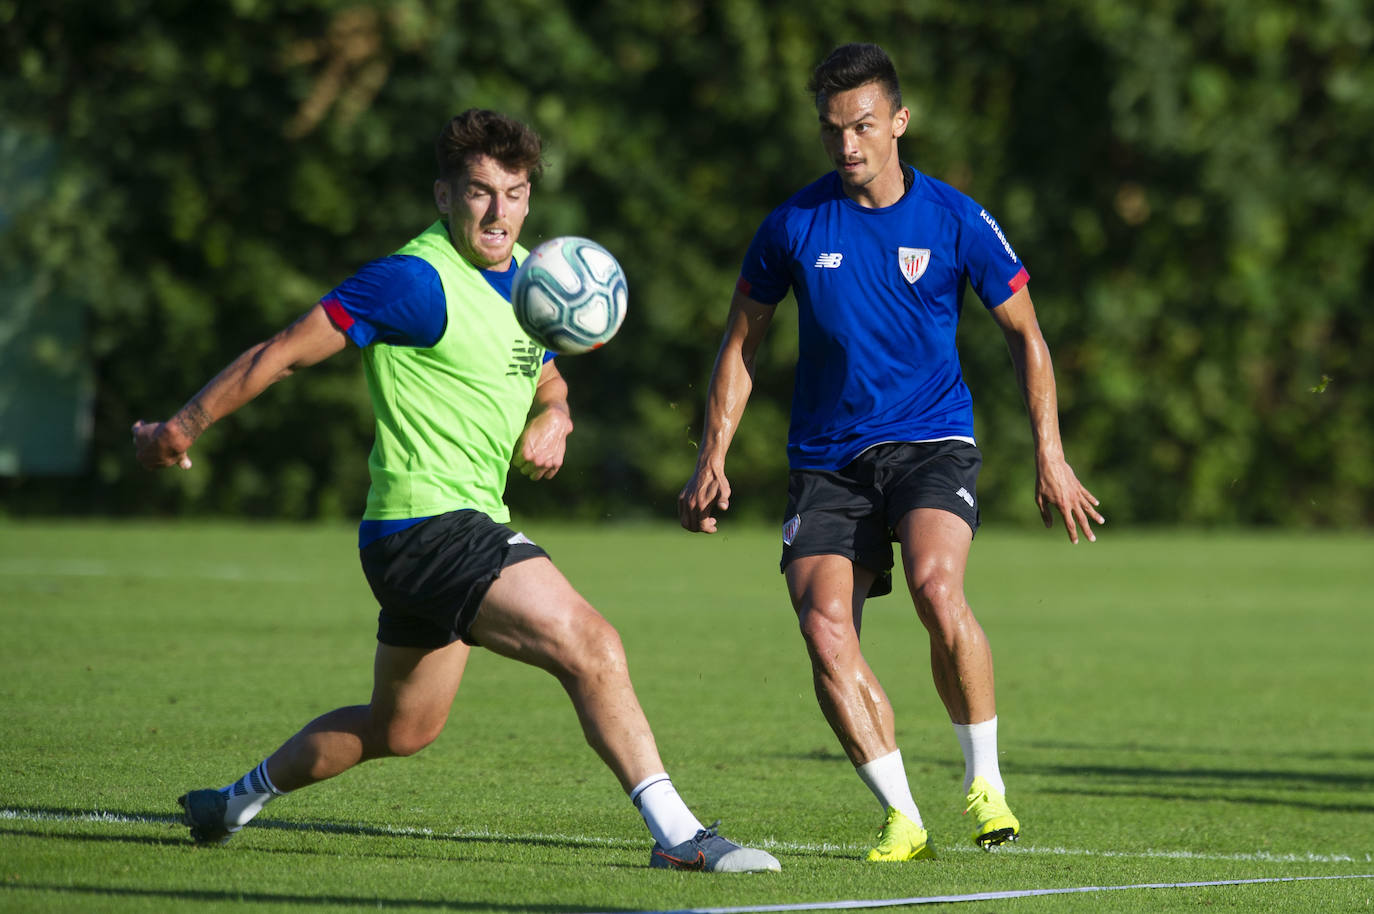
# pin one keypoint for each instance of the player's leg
(836, 553)
(531, 613)
(427, 579)
(935, 548)
(413, 690)
(828, 594)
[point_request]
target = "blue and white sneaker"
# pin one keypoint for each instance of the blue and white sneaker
(204, 811)
(710, 853)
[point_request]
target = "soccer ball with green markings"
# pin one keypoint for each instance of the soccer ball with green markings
(570, 295)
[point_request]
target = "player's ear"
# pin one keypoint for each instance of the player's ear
(442, 192)
(900, 121)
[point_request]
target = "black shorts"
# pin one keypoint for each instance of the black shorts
(430, 579)
(854, 511)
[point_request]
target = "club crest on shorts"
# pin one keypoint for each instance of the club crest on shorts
(789, 529)
(913, 262)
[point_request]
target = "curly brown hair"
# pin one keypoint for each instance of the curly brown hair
(478, 131)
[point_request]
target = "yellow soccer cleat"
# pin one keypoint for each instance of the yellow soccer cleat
(995, 822)
(901, 839)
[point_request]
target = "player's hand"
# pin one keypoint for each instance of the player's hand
(707, 491)
(544, 442)
(1056, 487)
(158, 445)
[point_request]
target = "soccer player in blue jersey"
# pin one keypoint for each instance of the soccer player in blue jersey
(881, 445)
(459, 392)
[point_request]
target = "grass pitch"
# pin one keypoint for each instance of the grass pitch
(1175, 708)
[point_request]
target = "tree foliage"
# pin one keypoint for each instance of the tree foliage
(1187, 182)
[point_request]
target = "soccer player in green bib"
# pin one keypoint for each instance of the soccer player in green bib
(459, 392)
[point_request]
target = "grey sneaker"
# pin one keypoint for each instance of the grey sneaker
(709, 852)
(204, 811)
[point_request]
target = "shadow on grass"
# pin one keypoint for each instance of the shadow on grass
(1257, 784)
(85, 836)
(1232, 795)
(95, 892)
(68, 817)
(1227, 785)
(399, 851)
(1324, 756)
(63, 815)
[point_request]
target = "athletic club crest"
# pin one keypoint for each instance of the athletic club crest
(913, 262)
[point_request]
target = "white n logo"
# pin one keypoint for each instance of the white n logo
(829, 261)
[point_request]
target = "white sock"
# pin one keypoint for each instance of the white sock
(886, 777)
(247, 796)
(979, 742)
(668, 818)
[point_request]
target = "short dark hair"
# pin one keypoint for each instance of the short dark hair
(853, 65)
(478, 131)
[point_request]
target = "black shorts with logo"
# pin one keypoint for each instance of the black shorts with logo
(430, 579)
(854, 511)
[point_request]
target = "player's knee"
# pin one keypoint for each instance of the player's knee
(393, 734)
(409, 738)
(939, 602)
(589, 645)
(827, 631)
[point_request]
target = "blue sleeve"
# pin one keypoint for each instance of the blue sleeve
(765, 275)
(397, 300)
(993, 268)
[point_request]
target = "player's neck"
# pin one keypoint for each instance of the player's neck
(884, 190)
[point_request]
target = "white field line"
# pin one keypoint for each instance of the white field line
(26, 815)
(852, 904)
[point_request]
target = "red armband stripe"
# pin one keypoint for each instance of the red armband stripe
(341, 318)
(1019, 280)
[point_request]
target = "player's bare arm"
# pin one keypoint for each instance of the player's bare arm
(732, 380)
(309, 340)
(1056, 485)
(539, 452)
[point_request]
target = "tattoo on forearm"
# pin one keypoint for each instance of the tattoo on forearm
(192, 419)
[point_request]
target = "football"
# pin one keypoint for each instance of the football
(570, 295)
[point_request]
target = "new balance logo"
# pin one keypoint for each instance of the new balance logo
(963, 493)
(524, 359)
(829, 261)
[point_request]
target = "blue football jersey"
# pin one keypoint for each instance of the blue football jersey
(878, 294)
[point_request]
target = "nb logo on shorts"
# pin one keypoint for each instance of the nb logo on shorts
(519, 538)
(829, 261)
(963, 493)
(789, 529)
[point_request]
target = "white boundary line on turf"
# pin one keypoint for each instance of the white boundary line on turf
(29, 815)
(993, 896)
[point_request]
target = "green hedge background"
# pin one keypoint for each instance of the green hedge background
(1189, 184)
